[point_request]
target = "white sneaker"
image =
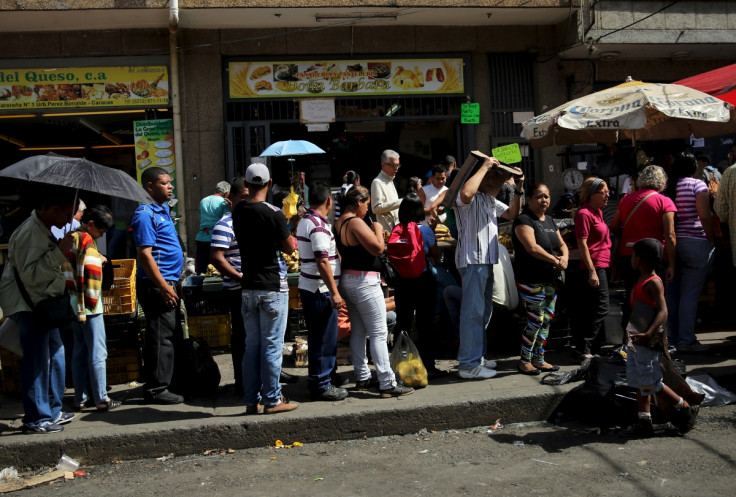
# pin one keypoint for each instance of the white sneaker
(489, 364)
(479, 372)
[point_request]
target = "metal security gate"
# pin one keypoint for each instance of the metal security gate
(511, 90)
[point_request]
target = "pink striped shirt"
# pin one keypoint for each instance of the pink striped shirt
(687, 221)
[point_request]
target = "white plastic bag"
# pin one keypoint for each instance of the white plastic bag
(505, 293)
(715, 395)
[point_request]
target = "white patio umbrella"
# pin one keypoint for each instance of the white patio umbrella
(632, 110)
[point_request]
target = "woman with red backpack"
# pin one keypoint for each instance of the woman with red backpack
(410, 248)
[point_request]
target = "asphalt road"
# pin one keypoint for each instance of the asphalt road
(524, 459)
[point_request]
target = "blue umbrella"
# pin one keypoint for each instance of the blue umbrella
(291, 147)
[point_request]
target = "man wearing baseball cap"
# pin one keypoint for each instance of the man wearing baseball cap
(262, 235)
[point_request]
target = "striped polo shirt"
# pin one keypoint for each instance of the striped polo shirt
(223, 237)
(315, 239)
(477, 226)
(687, 221)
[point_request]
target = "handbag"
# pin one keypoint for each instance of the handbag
(50, 313)
(388, 271)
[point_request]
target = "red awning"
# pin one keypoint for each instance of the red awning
(720, 83)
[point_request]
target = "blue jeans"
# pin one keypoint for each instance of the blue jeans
(42, 371)
(264, 314)
(694, 257)
(475, 313)
(321, 321)
(89, 367)
(367, 311)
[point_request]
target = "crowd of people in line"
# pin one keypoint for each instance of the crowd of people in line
(663, 257)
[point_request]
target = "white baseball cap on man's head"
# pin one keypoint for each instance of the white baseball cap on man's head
(257, 174)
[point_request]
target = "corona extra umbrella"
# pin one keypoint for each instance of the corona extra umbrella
(633, 110)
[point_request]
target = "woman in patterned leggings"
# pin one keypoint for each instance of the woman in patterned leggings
(541, 256)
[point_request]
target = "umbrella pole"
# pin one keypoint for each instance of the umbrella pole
(76, 196)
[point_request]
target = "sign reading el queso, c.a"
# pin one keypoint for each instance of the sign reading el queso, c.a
(29, 89)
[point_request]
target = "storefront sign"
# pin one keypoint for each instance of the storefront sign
(345, 78)
(154, 147)
(49, 88)
(470, 113)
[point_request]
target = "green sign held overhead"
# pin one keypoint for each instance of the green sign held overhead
(470, 113)
(508, 154)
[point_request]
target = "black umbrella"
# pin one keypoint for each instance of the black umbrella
(77, 173)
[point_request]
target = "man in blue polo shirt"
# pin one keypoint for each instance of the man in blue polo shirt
(160, 260)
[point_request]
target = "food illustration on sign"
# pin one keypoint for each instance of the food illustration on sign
(285, 72)
(164, 162)
(286, 86)
(260, 72)
(163, 153)
(142, 155)
(408, 80)
(162, 144)
(142, 144)
(435, 73)
(263, 86)
(379, 70)
(144, 164)
(143, 89)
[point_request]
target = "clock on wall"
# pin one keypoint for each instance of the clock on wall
(572, 179)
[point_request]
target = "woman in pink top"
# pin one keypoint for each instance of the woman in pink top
(594, 245)
(653, 218)
(693, 229)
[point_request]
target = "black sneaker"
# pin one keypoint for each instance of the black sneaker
(366, 384)
(47, 427)
(164, 397)
(397, 391)
(63, 418)
(332, 393)
(641, 429)
(287, 378)
(684, 418)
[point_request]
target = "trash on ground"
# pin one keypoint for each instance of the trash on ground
(495, 426)
(518, 442)
(715, 395)
(66, 463)
(32, 481)
(318, 479)
(423, 451)
(81, 472)
(165, 458)
(9, 473)
(545, 462)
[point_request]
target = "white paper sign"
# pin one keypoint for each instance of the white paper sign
(317, 110)
(521, 117)
(318, 127)
(582, 166)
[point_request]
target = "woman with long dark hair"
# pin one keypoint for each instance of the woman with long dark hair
(360, 244)
(694, 251)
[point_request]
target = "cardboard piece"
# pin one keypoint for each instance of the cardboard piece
(472, 162)
(33, 481)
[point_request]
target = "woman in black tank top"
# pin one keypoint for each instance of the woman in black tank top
(360, 285)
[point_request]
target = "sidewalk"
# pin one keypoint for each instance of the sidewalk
(137, 430)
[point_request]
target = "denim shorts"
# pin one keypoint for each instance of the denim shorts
(643, 370)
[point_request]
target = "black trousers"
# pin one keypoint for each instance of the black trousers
(590, 312)
(418, 295)
(163, 332)
(237, 334)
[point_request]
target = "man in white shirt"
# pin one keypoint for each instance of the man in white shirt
(476, 212)
(384, 199)
(431, 192)
(319, 293)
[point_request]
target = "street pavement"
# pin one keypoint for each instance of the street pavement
(138, 430)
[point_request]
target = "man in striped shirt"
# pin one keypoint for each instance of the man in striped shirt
(318, 290)
(476, 214)
(225, 256)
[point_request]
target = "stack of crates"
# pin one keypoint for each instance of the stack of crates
(120, 298)
(208, 315)
(124, 358)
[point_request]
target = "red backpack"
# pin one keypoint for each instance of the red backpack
(406, 250)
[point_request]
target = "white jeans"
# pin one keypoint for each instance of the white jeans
(367, 311)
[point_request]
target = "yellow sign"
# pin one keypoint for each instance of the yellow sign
(154, 147)
(345, 78)
(29, 89)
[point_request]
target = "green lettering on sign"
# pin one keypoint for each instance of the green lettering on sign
(508, 154)
(470, 113)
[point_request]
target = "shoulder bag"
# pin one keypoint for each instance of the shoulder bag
(50, 313)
